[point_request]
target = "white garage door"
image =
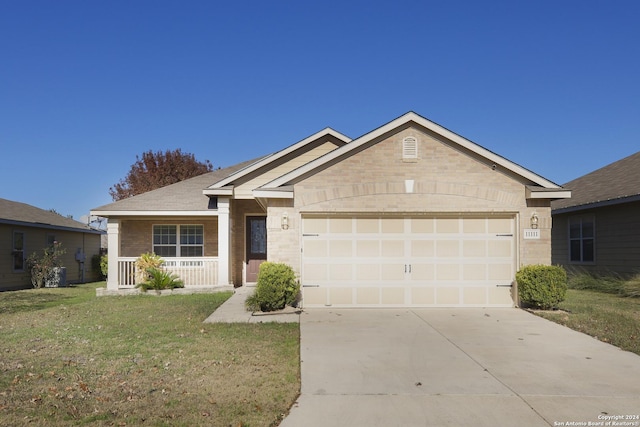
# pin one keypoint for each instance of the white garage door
(408, 261)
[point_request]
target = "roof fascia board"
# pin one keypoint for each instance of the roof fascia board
(224, 191)
(270, 194)
(402, 120)
(559, 194)
(275, 156)
(594, 205)
(48, 226)
(108, 214)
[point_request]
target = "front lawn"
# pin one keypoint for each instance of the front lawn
(70, 358)
(608, 317)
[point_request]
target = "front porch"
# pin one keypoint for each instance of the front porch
(195, 272)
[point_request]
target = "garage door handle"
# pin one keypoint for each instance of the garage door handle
(310, 235)
(504, 235)
(407, 268)
(504, 286)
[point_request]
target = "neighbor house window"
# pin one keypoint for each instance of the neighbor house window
(178, 240)
(18, 251)
(409, 148)
(582, 237)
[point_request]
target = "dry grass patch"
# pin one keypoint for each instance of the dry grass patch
(69, 358)
(609, 318)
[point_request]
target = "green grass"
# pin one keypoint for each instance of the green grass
(610, 318)
(70, 358)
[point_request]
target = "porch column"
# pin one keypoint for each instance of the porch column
(113, 247)
(223, 241)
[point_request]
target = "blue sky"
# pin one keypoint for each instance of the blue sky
(85, 86)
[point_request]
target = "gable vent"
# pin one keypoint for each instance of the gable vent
(409, 148)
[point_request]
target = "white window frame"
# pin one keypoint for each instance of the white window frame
(178, 245)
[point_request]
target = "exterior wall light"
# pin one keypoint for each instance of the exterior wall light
(285, 221)
(534, 220)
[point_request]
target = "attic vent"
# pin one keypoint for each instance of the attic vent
(409, 148)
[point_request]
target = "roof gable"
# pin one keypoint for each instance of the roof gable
(408, 119)
(615, 183)
(30, 216)
(276, 159)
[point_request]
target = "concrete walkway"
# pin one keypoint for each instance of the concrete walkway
(233, 311)
(458, 367)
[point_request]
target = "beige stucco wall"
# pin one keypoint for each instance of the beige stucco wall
(35, 240)
(445, 180)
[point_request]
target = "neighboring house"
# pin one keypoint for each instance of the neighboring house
(409, 214)
(598, 229)
(25, 229)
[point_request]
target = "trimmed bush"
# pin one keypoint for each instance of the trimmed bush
(542, 286)
(276, 288)
(159, 280)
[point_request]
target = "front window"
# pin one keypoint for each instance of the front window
(582, 239)
(178, 240)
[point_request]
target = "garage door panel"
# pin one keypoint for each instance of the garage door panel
(447, 248)
(448, 296)
(447, 272)
(314, 273)
(340, 225)
(392, 296)
(422, 272)
(392, 225)
(474, 248)
(447, 225)
(393, 272)
(392, 248)
(341, 296)
(368, 248)
(500, 272)
(474, 226)
(423, 248)
(500, 248)
(316, 249)
(474, 295)
(340, 272)
(368, 296)
(340, 249)
(501, 225)
(368, 225)
(474, 272)
(422, 225)
(368, 273)
(416, 261)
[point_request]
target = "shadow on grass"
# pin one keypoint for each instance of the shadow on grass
(33, 299)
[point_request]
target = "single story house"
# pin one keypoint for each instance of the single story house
(25, 229)
(598, 229)
(409, 214)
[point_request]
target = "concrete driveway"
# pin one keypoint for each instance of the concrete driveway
(458, 367)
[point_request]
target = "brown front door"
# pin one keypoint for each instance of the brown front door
(256, 245)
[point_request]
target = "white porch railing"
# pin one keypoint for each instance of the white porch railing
(194, 271)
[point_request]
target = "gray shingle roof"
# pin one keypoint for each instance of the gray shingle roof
(613, 183)
(26, 215)
(182, 196)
